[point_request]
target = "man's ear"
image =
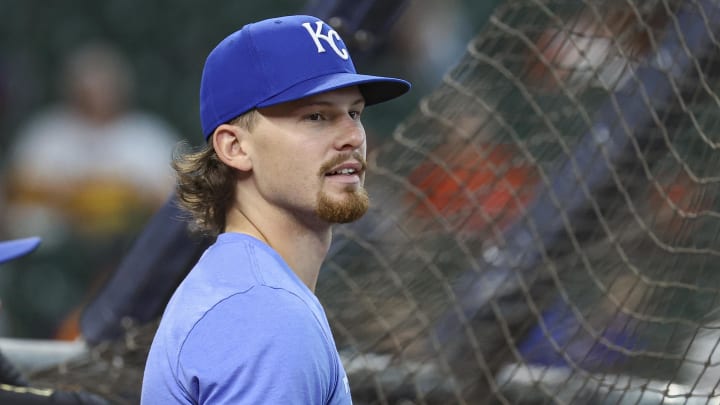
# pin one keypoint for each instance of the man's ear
(230, 144)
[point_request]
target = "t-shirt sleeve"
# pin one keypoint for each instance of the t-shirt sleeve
(263, 346)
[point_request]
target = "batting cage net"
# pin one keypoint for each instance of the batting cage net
(545, 226)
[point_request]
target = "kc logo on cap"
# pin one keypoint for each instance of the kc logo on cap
(331, 37)
(279, 60)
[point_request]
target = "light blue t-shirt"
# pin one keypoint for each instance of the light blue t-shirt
(242, 328)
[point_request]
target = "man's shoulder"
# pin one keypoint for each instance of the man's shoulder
(263, 319)
(255, 342)
(232, 266)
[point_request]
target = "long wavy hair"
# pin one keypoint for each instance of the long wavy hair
(206, 185)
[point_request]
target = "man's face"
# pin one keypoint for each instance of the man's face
(309, 156)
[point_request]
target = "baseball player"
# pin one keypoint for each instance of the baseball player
(280, 107)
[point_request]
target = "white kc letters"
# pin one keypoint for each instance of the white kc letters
(331, 37)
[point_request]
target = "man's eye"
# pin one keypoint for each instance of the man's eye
(314, 117)
(354, 114)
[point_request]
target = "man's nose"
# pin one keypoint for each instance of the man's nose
(351, 135)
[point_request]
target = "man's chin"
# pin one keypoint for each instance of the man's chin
(343, 209)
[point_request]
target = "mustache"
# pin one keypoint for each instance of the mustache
(340, 159)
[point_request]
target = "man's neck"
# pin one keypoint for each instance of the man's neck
(302, 247)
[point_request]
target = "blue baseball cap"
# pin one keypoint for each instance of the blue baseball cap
(12, 249)
(279, 60)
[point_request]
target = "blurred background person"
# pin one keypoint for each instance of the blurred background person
(86, 173)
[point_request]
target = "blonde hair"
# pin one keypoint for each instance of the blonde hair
(206, 185)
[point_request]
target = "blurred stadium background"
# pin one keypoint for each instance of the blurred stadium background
(546, 214)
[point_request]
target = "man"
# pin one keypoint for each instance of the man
(14, 389)
(280, 106)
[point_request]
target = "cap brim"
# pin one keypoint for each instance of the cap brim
(13, 249)
(375, 89)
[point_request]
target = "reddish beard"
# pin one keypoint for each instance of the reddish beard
(350, 208)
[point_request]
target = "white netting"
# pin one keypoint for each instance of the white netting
(546, 225)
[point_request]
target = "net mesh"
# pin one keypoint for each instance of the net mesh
(545, 225)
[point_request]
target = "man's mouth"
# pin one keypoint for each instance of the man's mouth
(343, 171)
(350, 166)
